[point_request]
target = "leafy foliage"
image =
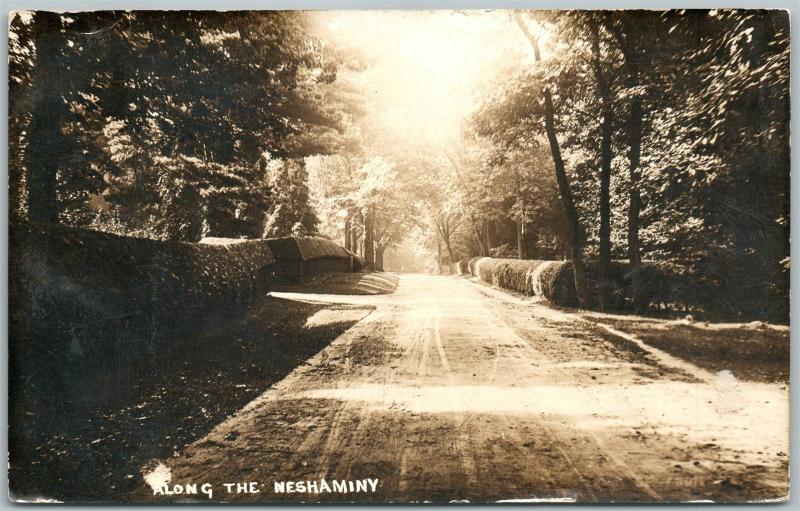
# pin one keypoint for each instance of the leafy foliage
(290, 212)
(165, 115)
(713, 173)
(672, 127)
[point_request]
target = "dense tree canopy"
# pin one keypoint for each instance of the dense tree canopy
(597, 135)
(153, 117)
(698, 102)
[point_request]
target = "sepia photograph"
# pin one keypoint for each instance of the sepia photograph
(398, 256)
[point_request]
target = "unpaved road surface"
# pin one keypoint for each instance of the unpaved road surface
(449, 390)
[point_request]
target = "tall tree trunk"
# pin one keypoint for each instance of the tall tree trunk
(606, 156)
(439, 254)
(444, 230)
(627, 40)
(604, 284)
(450, 255)
(634, 155)
(45, 141)
(354, 234)
(634, 249)
(570, 210)
(347, 240)
(487, 234)
(379, 250)
(520, 227)
(479, 238)
(369, 243)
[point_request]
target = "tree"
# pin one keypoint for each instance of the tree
(627, 30)
(376, 180)
(728, 124)
(220, 88)
(290, 208)
(47, 110)
(481, 182)
(434, 189)
(570, 210)
(332, 184)
(606, 98)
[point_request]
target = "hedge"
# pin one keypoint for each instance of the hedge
(298, 258)
(471, 265)
(91, 302)
(664, 289)
(316, 248)
(547, 279)
(93, 299)
(460, 267)
(97, 275)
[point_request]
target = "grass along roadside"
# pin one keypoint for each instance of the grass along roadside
(751, 351)
(754, 351)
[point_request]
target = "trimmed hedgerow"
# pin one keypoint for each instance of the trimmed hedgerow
(306, 248)
(461, 267)
(471, 265)
(102, 275)
(297, 258)
(547, 279)
(315, 248)
(554, 280)
(284, 249)
(664, 288)
(86, 300)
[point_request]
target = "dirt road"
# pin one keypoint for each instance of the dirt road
(450, 390)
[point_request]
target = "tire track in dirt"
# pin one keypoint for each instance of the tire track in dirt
(518, 441)
(496, 331)
(622, 467)
(427, 346)
(333, 464)
(462, 439)
(705, 465)
(554, 439)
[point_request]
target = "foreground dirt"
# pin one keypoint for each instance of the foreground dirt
(451, 391)
(90, 442)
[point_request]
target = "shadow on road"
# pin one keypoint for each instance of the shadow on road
(89, 440)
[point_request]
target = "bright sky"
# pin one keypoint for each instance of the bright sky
(427, 68)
